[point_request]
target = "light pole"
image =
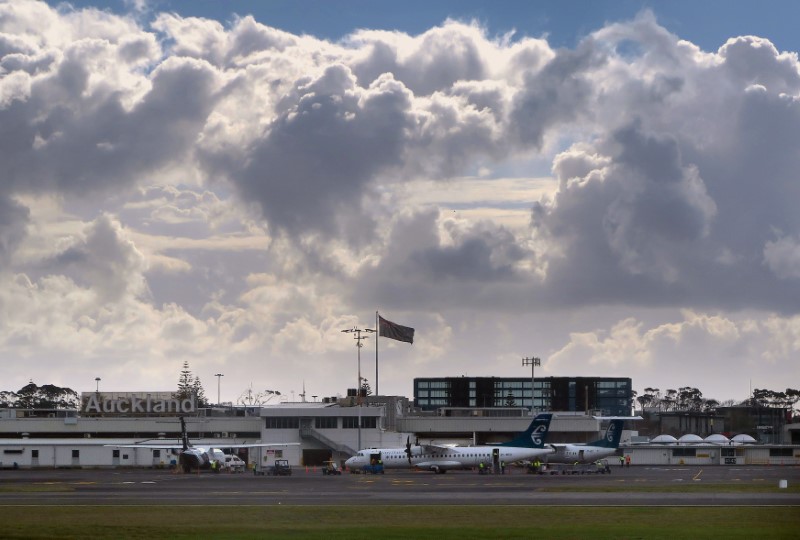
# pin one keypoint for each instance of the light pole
(219, 378)
(533, 362)
(97, 381)
(358, 337)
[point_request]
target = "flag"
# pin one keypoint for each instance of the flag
(395, 331)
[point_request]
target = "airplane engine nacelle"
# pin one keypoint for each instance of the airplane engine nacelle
(193, 460)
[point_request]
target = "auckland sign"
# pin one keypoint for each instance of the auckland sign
(96, 404)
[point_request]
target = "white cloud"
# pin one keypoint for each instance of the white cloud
(235, 194)
(782, 256)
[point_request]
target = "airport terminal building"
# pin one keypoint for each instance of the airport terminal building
(610, 396)
(320, 431)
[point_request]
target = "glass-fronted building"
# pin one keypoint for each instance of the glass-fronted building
(611, 396)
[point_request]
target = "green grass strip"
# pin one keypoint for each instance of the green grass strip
(399, 522)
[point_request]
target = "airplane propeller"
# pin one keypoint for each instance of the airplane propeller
(408, 449)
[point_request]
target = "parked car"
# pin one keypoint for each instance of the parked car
(234, 463)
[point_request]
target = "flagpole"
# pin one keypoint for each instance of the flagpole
(377, 339)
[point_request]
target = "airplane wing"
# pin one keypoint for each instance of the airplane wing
(617, 417)
(438, 464)
(179, 446)
(258, 445)
(176, 446)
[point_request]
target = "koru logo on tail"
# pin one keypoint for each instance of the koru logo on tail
(610, 433)
(537, 435)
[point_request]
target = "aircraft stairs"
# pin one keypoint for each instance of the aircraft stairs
(310, 433)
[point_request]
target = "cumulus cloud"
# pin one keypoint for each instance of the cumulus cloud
(233, 186)
(103, 260)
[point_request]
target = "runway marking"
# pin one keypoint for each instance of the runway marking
(697, 476)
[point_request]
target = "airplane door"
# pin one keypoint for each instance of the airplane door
(580, 456)
(495, 460)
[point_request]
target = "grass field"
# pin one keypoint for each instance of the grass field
(400, 522)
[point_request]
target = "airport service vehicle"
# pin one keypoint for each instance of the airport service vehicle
(437, 458)
(330, 468)
(234, 463)
(281, 468)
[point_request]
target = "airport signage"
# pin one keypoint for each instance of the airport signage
(96, 404)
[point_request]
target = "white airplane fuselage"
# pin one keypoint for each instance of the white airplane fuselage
(571, 453)
(459, 457)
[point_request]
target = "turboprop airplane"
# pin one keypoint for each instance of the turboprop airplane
(592, 451)
(195, 457)
(439, 458)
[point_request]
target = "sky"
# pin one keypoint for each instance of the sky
(608, 186)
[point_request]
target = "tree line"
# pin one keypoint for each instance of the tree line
(32, 396)
(50, 396)
(690, 399)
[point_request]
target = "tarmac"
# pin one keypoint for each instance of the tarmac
(625, 486)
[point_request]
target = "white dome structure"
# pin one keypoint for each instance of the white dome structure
(717, 438)
(743, 438)
(664, 439)
(690, 438)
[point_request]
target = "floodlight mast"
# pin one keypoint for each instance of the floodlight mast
(218, 376)
(533, 362)
(358, 337)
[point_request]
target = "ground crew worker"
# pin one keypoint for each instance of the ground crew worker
(628, 460)
(481, 468)
(621, 461)
(536, 465)
(502, 467)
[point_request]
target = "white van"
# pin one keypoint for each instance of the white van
(234, 463)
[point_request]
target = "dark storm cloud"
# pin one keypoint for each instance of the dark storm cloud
(315, 160)
(558, 93)
(478, 268)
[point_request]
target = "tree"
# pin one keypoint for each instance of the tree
(249, 397)
(189, 386)
(644, 400)
(510, 401)
(199, 393)
(366, 389)
(668, 401)
(689, 399)
(48, 396)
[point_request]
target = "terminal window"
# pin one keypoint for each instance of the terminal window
(326, 422)
(278, 422)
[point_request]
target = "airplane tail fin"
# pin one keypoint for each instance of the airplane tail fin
(535, 435)
(612, 436)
